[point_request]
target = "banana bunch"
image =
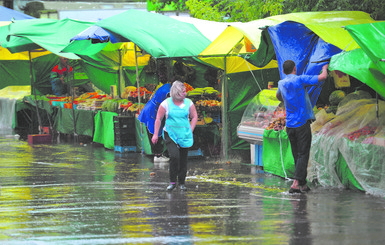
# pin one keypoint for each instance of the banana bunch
(210, 91)
(202, 91)
(128, 91)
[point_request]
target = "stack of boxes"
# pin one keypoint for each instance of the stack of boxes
(124, 133)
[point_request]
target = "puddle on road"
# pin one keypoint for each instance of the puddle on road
(72, 194)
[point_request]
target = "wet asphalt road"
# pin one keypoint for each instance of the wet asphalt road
(68, 193)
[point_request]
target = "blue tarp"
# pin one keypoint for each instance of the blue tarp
(97, 34)
(7, 14)
(294, 41)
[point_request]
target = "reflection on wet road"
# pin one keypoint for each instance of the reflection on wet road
(84, 194)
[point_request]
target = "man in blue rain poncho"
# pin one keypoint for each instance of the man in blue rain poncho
(299, 115)
(148, 116)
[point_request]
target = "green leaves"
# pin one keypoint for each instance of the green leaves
(248, 10)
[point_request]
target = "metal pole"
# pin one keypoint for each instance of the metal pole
(224, 113)
(119, 85)
(34, 92)
(377, 106)
(72, 93)
(138, 87)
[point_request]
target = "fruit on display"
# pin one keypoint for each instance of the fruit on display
(111, 105)
(266, 118)
(257, 124)
(195, 92)
(125, 106)
(357, 95)
(336, 97)
(209, 103)
(131, 93)
(208, 100)
(207, 91)
(210, 91)
(361, 132)
(277, 124)
(188, 87)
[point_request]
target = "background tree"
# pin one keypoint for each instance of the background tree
(248, 10)
(177, 5)
(376, 8)
(230, 10)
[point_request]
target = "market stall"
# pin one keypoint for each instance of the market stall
(349, 145)
(262, 126)
(247, 71)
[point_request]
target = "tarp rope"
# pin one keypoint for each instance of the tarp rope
(280, 149)
(280, 142)
(255, 79)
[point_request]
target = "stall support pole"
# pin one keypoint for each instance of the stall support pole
(377, 107)
(138, 87)
(34, 92)
(72, 93)
(121, 83)
(224, 113)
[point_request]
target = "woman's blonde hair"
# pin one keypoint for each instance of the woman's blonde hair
(176, 89)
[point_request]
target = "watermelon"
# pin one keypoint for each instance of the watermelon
(336, 97)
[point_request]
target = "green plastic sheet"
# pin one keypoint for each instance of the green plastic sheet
(365, 63)
(368, 37)
(357, 63)
(14, 73)
(50, 34)
(277, 156)
(142, 140)
(339, 162)
(265, 53)
(159, 35)
(104, 129)
(84, 122)
(345, 174)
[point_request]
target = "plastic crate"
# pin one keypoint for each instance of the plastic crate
(128, 135)
(126, 113)
(125, 142)
(124, 131)
(34, 139)
(122, 122)
(122, 149)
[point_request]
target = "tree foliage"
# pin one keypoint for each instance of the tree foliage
(375, 8)
(178, 5)
(230, 10)
(248, 10)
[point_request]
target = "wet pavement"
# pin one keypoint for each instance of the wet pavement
(72, 193)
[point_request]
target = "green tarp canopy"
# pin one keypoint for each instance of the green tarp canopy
(52, 35)
(366, 63)
(357, 164)
(35, 36)
(159, 35)
(368, 37)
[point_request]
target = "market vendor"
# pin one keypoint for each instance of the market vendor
(59, 77)
(299, 115)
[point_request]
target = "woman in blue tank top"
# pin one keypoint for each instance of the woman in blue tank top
(177, 132)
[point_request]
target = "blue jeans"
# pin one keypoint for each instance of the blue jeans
(300, 141)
